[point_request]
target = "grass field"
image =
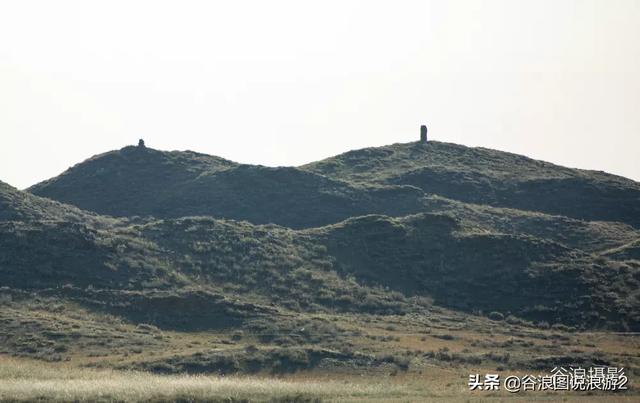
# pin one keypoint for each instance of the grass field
(22, 380)
(55, 352)
(29, 380)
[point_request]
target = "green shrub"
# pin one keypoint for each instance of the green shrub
(496, 316)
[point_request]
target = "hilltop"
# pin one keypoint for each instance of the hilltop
(118, 182)
(393, 180)
(490, 177)
(140, 181)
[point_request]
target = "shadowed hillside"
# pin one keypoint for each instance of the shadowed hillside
(285, 196)
(370, 264)
(16, 205)
(390, 180)
(139, 181)
(433, 255)
(496, 178)
(474, 257)
(589, 236)
(126, 181)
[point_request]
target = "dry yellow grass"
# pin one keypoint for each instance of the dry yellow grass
(30, 381)
(23, 379)
(139, 387)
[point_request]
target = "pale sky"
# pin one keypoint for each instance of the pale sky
(290, 82)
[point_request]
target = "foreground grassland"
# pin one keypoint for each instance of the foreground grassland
(23, 380)
(65, 353)
(30, 381)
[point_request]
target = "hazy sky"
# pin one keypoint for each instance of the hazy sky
(289, 82)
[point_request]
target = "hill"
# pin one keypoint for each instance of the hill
(589, 236)
(438, 248)
(140, 181)
(393, 180)
(119, 182)
(343, 267)
(490, 177)
(16, 205)
(203, 265)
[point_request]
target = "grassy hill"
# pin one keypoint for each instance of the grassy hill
(475, 257)
(139, 181)
(589, 236)
(178, 262)
(496, 178)
(369, 264)
(16, 205)
(532, 278)
(393, 180)
(120, 182)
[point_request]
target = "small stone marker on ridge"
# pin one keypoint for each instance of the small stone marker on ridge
(423, 134)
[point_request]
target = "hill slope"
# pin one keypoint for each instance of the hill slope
(145, 182)
(16, 205)
(437, 256)
(119, 182)
(369, 264)
(328, 252)
(484, 176)
(455, 285)
(391, 180)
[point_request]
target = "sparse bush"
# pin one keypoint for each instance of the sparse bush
(496, 316)
(445, 336)
(562, 328)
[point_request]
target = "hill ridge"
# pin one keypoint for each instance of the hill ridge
(392, 180)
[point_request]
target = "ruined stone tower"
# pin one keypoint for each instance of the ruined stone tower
(423, 134)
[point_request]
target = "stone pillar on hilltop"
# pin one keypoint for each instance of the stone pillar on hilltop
(423, 134)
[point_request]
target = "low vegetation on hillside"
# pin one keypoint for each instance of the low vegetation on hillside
(413, 261)
(496, 178)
